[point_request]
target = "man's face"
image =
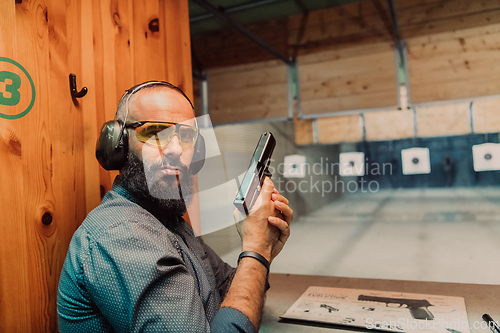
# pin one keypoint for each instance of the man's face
(165, 167)
(161, 104)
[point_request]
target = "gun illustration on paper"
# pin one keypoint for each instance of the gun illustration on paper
(256, 173)
(329, 308)
(418, 307)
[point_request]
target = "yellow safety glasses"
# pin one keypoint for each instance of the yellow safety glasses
(161, 133)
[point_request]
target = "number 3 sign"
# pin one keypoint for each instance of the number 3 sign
(10, 88)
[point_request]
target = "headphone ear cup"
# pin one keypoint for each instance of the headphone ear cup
(199, 156)
(111, 150)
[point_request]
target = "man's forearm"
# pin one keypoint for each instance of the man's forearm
(247, 291)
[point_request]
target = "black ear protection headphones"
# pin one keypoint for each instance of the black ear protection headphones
(112, 145)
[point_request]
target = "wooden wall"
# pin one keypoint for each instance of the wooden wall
(346, 62)
(453, 48)
(455, 65)
(431, 121)
(486, 115)
(48, 171)
(303, 131)
(441, 120)
(339, 129)
(129, 52)
(226, 48)
(352, 78)
(389, 125)
(248, 92)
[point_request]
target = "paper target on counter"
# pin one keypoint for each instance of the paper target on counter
(352, 164)
(416, 161)
(486, 157)
(294, 166)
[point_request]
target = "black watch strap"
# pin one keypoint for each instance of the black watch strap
(256, 256)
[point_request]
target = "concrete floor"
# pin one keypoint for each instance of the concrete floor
(445, 235)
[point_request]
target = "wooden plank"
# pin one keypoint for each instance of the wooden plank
(13, 291)
(7, 29)
(252, 103)
(177, 49)
(457, 65)
(340, 129)
(149, 45)
(124, 60)
(272, 64)
(34, 150)
(368, 22)
(229, 48)
(33, 243)
(416, 4)
(103, 114)
(389, 125)
(363, 22)
(122, 20)
(89, 108)
(243, 95)
(441, 120)
(486, 115)
(303, 131)
(336, 104)
(418, 18)
(354, 12)
(112, 53)
(251, 76)
(344, 80)
(105, 55)
(66, 154)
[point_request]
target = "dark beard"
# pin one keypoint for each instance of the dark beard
(164, 193)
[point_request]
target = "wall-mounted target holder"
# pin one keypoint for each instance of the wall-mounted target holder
(486, 157)
(352, 164)
(294, 166)
(416, 161)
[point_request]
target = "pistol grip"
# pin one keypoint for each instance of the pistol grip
(421, 313)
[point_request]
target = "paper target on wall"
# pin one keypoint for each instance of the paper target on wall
(352, 164)
(416, 161)
(486, 157)
(294, 166)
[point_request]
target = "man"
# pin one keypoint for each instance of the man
(136, 265)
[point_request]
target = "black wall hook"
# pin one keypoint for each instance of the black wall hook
(72, 87)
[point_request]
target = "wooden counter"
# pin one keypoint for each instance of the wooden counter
(287, 288)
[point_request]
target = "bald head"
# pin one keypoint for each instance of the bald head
(121, 112)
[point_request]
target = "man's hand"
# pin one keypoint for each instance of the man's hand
(282, 222)
(266, 229)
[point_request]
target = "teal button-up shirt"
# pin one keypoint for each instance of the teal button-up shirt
(128, 270)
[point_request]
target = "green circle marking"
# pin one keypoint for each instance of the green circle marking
(28, 109)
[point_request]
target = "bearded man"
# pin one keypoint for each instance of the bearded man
(135, 265)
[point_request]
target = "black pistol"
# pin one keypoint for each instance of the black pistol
(419, 308)
(256, 173)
